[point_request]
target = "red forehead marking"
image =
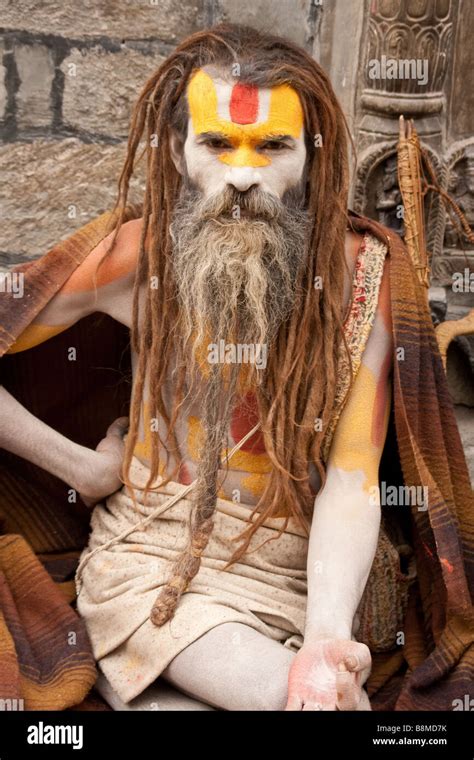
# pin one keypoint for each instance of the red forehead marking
(243, 104)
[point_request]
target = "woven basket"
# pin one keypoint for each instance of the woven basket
(382, 609)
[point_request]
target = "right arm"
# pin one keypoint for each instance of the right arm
(93, 474)
(24, 434)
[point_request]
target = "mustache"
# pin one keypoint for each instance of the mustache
(231, 205)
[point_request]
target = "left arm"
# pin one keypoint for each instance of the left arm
(344, 531)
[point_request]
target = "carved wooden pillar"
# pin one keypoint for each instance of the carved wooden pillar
(418, 35)
(404, 69)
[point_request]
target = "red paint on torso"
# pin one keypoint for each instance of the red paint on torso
(244, 417)
(184, 475)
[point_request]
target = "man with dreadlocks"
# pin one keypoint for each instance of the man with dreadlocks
(259, 320)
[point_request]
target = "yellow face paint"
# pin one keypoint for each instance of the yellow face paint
(246, 117)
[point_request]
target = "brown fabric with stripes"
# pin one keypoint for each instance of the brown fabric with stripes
(44, 651)
(436, 664)
(438, 654)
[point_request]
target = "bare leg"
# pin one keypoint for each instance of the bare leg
(233, 667)
(158, 696)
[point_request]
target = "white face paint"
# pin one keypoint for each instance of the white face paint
(243, 136)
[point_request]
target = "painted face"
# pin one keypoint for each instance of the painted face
(244, 136)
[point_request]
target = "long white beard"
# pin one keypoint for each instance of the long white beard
(236, 275)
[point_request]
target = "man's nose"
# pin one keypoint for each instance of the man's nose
(242, 177)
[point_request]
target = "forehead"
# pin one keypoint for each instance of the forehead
(233, 107)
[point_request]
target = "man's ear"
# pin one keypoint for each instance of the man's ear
(177, 150)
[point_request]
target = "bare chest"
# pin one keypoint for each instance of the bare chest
(244, 478)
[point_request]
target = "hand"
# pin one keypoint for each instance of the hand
(328, 675)
(100, 477)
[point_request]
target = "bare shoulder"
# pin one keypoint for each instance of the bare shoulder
(102, 266)
(90, 288)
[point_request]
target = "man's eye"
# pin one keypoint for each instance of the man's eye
(217, 144)
(273, 145)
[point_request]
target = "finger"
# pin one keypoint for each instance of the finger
(118, 427)
(294, 704)
(348, 692)
(360, 663)
(359, 660)
(114, 438)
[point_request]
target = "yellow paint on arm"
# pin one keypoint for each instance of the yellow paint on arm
(353, 447)
(34, 335)
(360, 434)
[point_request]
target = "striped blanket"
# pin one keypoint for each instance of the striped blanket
(42, 533)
